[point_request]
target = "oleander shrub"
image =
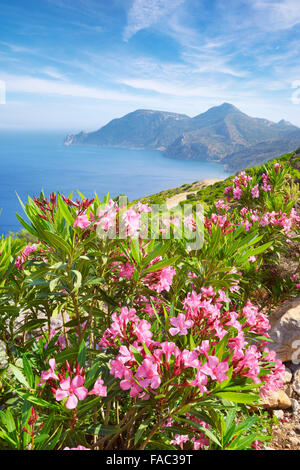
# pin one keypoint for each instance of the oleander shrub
(138, 342)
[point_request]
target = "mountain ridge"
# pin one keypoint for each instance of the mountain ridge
(222, 134)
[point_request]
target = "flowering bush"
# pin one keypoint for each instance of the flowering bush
(133, 342)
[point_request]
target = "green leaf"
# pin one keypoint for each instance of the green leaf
(81, 358)
(19, 375)
(207, 432)
(237, 397)
(39, 401)
(10, 422)
(27, 226)
(161, 265)
(65, 210)
(28, 371)
(57, 242)
(77, 283)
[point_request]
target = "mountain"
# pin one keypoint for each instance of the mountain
(142, 129)
(223, 134)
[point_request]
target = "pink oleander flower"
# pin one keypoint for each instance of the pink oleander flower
(127, 270)
(82, 221)
(277, 166)
(237, 193)
(143, 207)
(252, 259)
(189, 222)
(221, 205)
(181, 325)
(215, 369)
(76, 448)
(49, 374)
(266, 187)
(180, 440)
(228, 189)
(208, 292)
(62, 342)
(256, 445)
(222, 297)
(255, 192)
(190, 359)
(132, 221)
(24, 255)
(99, 389)
(73, 389)
(148, 372)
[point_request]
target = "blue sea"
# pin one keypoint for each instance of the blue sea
(32, 161)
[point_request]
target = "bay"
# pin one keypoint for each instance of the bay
(31, 161)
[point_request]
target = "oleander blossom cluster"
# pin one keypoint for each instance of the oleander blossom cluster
(127, 223)
(25, 255)
(273, 219)
(68, 384)
(149, 363)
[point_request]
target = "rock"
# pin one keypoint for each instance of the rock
(287, 376)
(289, 390)
(285, 331)
(279, 414)
(294, 441)
(297, 428)
(276, 401)
(296, 382)
(297, 375)
(296, 387)
(295, 405)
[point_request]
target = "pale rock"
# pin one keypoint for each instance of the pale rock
(295, 406)
(294, 441)
(297, 428)
(276, 400)
(296, 386)
(287, 376)
(285, 331)
(278, 413)
(288, 390)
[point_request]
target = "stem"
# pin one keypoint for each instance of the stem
(150, 435)
(100, 442)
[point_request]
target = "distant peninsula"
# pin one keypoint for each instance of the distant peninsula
(222, 134)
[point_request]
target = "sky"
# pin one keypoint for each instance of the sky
(72, 65)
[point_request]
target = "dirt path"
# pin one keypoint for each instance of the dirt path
(175, 200)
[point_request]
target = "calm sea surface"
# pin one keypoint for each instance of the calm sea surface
(31, 161)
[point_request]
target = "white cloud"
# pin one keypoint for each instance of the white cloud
(53, 73)
(180, 90)
(145, 13)
(32, 85)
(283, 14)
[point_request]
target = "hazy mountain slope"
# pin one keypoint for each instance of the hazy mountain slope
(262, 152)
(223, 133)
(225, 130)
(140, 129)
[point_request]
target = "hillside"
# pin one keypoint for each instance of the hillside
(207, 193)
(223, 134)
